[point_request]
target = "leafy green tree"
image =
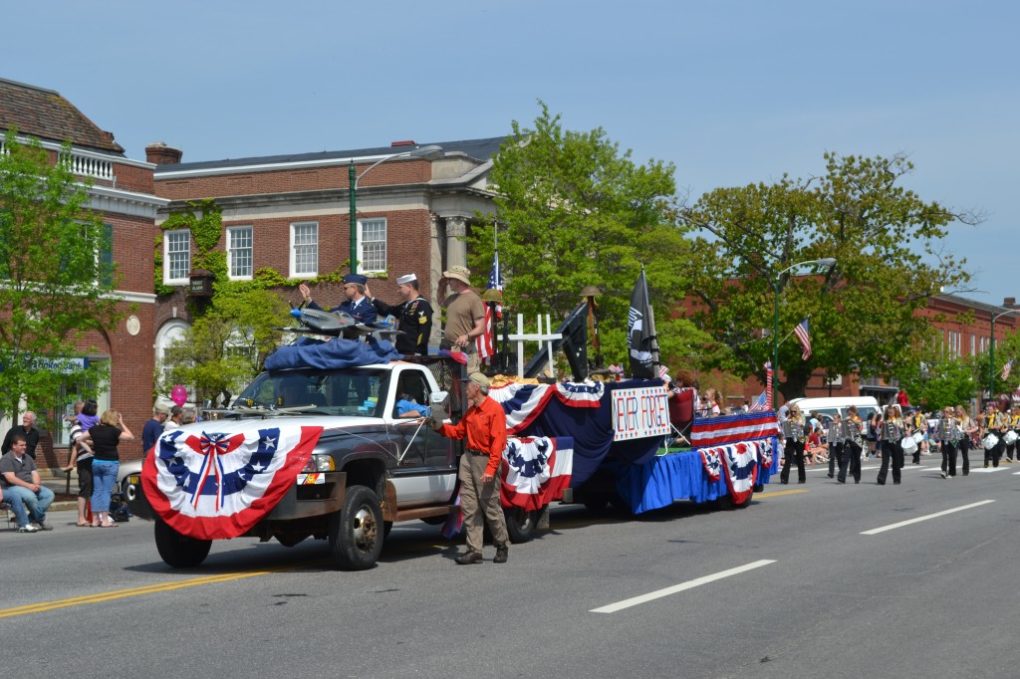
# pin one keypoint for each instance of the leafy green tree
(572, 211)
(940, 380)
(228, 344)
(887, 243)
(56, 271)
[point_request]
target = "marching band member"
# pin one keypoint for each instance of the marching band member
(793, 431)
(970, 430)
(920, 423)
(996, 422)
(851, 430)
(834, 437)
(889, 439)
(949, 434)
(1014, 426)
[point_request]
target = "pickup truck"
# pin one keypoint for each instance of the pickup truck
(372, 465)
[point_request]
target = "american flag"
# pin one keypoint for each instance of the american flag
(1006, 369)
(760, 404)
(804, 337)
(486, 343)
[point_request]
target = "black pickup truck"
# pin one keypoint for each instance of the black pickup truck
(372, 466)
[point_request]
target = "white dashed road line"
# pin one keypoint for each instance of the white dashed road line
(901, 524)
(690, 584)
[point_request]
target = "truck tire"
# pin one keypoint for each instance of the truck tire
(520, 524)
(179, 551)
(356, 532)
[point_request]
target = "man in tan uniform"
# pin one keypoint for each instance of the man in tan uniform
(465, 314)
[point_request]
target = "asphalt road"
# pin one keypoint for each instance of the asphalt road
(788, 587)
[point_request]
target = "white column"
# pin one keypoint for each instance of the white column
(456, 245)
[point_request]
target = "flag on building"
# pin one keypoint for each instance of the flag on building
(804, 337)
(641, 341)
(486, 342)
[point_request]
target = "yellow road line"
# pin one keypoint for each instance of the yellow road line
(779, 493)
(113, 595)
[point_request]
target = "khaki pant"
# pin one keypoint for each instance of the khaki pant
(478, 499)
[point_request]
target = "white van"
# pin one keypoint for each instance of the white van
(827, 407)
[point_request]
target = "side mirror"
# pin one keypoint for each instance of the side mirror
(439, 400)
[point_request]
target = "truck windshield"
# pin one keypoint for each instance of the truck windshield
(353, 391)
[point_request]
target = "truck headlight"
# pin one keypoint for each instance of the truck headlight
(320, 463)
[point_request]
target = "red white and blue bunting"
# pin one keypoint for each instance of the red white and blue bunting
(220, 482)
(741, 464)
(522, 403)
(537, 471)
(718, 431)
(710, 460)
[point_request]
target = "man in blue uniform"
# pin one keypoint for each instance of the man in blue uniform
(356, 304)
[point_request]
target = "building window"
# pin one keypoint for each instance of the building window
(177, 257)
(973, 345)
(372, 237)
(954, 343)
(304, 249)
(239, 252)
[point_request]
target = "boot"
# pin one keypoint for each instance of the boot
(502, 554)
(469, 557)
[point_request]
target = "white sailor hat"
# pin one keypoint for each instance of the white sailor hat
(407, 279)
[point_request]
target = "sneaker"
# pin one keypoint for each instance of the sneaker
(944, 475)
(28, 528)
(42, 525)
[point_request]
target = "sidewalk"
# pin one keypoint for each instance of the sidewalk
(57, 481)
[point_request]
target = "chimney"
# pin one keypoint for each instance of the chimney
(402, 143)
(1009, 302)
(159, 153)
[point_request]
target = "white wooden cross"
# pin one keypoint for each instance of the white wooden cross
(547, 338)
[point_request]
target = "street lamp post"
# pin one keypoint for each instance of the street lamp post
(826, 262)
(991, 351)
(430, 152)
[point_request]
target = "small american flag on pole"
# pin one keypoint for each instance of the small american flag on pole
(486, 342)
(804, 337)
(760, 404)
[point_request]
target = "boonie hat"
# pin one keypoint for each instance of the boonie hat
(460, 273)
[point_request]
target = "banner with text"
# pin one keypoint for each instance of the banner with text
(640, 413)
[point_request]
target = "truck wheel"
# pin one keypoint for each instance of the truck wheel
(520, 524)
(290, 540)
(356, 531)
(178, 550)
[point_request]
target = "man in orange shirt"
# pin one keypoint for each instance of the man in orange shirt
(484, 427)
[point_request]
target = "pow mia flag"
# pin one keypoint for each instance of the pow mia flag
(641, 340)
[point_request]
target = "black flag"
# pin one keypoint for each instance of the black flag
(644, 350)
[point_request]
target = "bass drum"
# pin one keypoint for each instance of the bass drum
(990, 441)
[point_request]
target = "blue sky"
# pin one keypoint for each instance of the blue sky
(730, 92)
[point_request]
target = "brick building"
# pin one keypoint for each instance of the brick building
(122, 191)
(965, 328)
(291, 213)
